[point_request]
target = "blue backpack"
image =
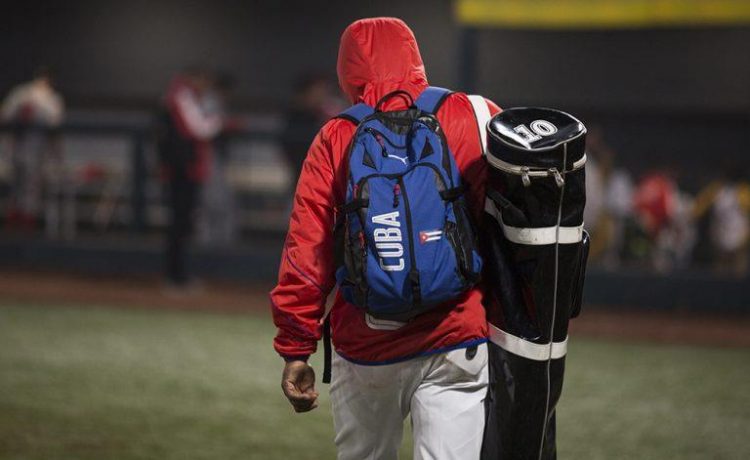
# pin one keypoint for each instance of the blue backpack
(409, 244)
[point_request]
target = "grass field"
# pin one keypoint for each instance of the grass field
(104, 383)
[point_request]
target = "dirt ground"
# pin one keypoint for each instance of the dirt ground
(620, 324)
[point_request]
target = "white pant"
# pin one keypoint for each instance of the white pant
(445, 394)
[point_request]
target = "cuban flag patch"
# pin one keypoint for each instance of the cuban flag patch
(428, 236)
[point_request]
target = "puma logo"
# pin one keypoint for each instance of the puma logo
(402, 160)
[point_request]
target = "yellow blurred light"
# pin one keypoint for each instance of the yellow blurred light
(562, 14)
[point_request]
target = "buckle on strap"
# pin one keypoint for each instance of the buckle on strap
(452, 194)
(354, 205)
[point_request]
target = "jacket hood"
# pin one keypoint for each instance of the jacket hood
(377, 56)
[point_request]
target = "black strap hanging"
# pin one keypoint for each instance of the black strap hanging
(327, 349)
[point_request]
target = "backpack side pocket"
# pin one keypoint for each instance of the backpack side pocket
(467, 242)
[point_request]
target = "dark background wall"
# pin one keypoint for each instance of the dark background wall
(668, 69)
(125, 51)
(660, 94)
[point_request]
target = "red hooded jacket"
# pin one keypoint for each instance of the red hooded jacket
(376, 56)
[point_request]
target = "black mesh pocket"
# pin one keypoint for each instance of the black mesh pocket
(575, 306)
(466, 240)
(355, 261)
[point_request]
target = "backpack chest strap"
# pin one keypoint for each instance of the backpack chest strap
(452, 194)
(354, 205)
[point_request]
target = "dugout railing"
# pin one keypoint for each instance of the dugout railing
(104, 176)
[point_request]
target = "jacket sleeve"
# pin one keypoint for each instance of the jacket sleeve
(306, 271)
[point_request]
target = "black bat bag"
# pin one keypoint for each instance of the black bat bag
(535, 257)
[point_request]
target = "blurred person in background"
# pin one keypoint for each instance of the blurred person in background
(618, 199)
(654, 206)
(677, 242)
(312, 105)
(663, 215)
(187, 131)
(728, 202)
(34, 109)
(217, 222)
(593, 214)
(609, 201)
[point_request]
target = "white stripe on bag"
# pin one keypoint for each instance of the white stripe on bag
(534, 236)
(526, 349)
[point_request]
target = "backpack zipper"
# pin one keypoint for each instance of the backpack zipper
(446, 153)
(527, 173)
(399, 175)
(380, 138)
(413, 274)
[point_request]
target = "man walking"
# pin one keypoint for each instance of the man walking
(186, 152)
(432, 365)
(36, 111)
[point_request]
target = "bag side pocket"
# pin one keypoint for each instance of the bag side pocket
(577, 301)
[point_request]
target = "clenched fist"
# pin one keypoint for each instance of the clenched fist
(298, 384)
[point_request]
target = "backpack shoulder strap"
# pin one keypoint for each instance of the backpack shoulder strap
(432, 98)
(482, 114)
(356, 113)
